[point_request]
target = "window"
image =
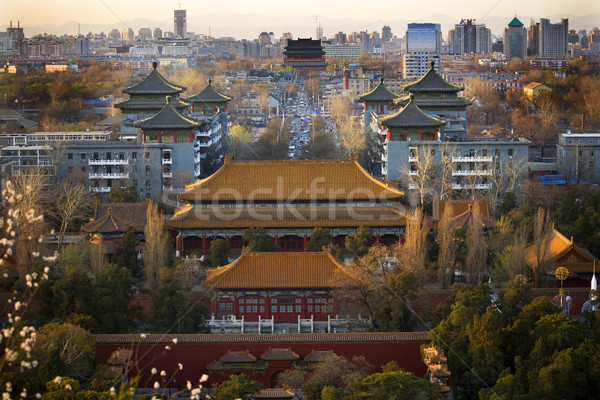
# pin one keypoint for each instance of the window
(309, 309)
(69, 156)
(510, 152)
(242, 309)
(134, 169)
(147, 154)
(290, 309)
(281, 309)
(241, 301)
(262, 301)
(317, 308)
(254, 309)
(274, 301)
(310, 300)
(108, 155)
(273, 309)
(262, 309)
(225, 307)
(134, 155)
(121, 156)
(298, 308)
(298, 300)
(83, 156)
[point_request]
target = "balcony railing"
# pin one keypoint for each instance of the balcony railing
(478, 186)
(413, 173)
(167, 161)
(100, 189)
(472, 159)
(480, 172)
(413, 159)
(108, 162)
(116, 175)
(167, 174)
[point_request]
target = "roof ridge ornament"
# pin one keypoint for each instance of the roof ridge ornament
(154, 65)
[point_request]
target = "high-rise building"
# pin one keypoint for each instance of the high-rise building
(469, 37)
(386, 34)
(180, 23)
(423, 45)
(157, 33)
(553, 38)
(515, 39)
(145, 33)
(127, 34)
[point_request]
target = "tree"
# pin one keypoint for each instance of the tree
(447, 245)
(125, 253)
(123, 195)
(73, 345)
(542, 230)
(236, 387)
(320, 146)
(398, 385)
(411, 255)
(239, 142)
(219, 251)
(358, 245)
(337, 372)
(419, 174)
(173, 309)
(292, 378)
(273, 142)
(476, 260)
(259, 240)
(73, 203)
(319, 238)
(156, 247)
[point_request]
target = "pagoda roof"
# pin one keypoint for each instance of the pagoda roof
(237, 356)
(285, 354)
(559, 246)
(422, 102)
(154, 83)
(515, 23)
(303, 45)
(432, 82)
(289, 180)
(209, 95)
(335, 217)
(279, 270)
(153, 104)
(380, 93)
(461, 212)
(411, 116)
(167, 118)
(319, 355)
(117, 217)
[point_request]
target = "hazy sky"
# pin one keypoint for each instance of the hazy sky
(38, 12)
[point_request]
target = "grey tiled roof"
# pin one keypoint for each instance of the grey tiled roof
(411, 116)
(210, 95)
(432, 82)
(167, 118)
(380, 93)
(154, 84)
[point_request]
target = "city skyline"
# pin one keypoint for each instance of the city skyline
(241, 18)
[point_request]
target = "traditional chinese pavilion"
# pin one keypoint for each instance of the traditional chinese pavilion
(282, 286)
(112, 220)
(438, 97)
(306, 55)
(148, 98)
(411, 123)
(563, 252)
(379, 100)
(288, 199)
(209, 101)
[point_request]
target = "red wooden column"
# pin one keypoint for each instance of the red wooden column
(377, 239)
(204, 245)
(179, 244)
(305, 243)
(276, 240)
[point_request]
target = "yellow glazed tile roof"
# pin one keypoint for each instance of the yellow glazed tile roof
(189, 217)
(278, 271)
(289, 181)
(558, 246)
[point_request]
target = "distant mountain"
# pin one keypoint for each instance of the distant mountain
(243, 26)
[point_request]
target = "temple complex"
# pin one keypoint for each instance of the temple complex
(288, 199)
